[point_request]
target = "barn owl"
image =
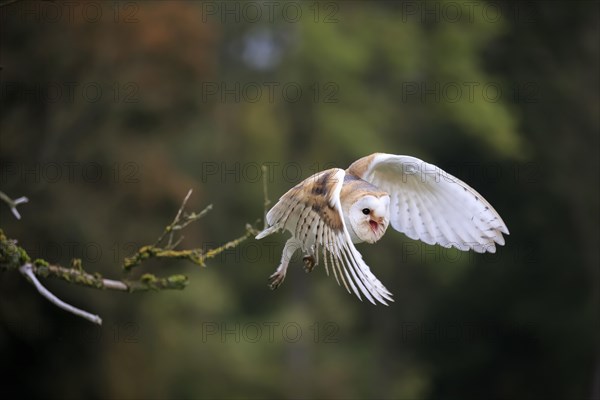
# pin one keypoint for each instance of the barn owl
(332, 210)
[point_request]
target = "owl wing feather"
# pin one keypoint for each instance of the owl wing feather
(431, 205)
(312, 212)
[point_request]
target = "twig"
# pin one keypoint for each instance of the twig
(169, 228)
(193, 217)
(14, 257)
(250, 231)
(12, 204)
(196, 256)
(27, 271)
(179, 223)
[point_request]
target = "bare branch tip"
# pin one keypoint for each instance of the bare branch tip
(12, 204)
(27, 271)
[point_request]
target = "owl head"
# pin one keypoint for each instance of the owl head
(369, 217)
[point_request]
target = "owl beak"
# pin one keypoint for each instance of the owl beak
(375, 222)
(374, 225)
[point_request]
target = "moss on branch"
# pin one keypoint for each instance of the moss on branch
(15, 258)
(195, 256)
(12, 257)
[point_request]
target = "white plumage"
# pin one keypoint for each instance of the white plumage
(330, 211)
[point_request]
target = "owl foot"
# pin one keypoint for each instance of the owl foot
(309, 263)
(276, 279)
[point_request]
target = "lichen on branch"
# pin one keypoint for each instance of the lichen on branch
(13, 257)
(195, 256)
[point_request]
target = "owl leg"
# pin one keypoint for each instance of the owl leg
(288, 251)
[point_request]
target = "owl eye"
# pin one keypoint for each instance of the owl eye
(366, 211)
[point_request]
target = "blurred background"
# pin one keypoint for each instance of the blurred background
(111, 111)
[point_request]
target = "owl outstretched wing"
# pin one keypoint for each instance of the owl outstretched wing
(431, 205)
(312, 212)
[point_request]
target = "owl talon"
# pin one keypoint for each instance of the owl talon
(309, 263)
(275, 280)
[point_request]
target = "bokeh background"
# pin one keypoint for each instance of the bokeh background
(111, 111)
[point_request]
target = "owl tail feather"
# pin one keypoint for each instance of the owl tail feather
(267, 232)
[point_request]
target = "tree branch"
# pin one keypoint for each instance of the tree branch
(27, 271)
(14, 257)
(80, 277)
(196, 256)
(180, 222)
